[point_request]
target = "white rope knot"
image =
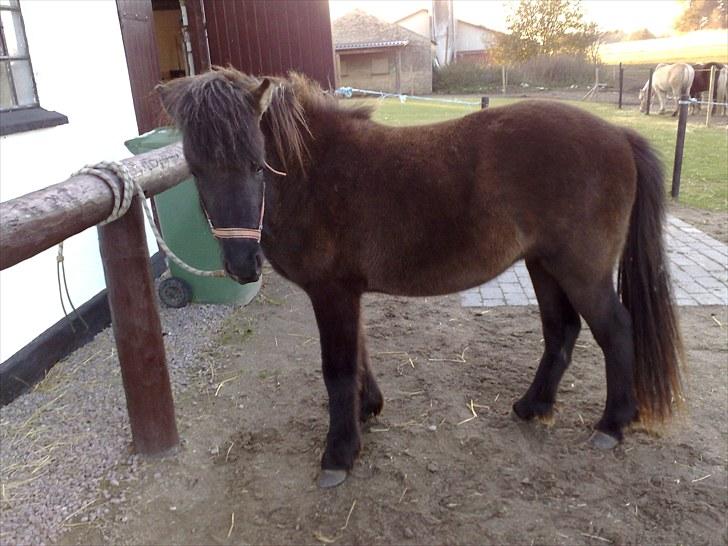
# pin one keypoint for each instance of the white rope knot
(110, 172)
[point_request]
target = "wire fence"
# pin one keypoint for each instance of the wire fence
(349, 92)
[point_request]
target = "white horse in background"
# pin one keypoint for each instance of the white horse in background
(677, 78)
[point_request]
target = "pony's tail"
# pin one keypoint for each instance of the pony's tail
(645, 289)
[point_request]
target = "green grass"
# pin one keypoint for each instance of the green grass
(704, 181)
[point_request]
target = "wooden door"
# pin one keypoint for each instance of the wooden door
(140, 46)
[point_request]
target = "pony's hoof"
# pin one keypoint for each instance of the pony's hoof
(601, 440)
(331, 478)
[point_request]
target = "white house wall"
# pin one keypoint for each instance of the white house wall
(80, 70)
(418, 22)
(472, 38)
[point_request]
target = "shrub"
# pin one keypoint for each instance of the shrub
(553, 71)
(542, 71)
(465, 77)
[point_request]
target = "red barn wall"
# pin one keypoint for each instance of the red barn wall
(264, 37)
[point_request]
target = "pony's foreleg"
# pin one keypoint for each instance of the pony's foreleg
(661, 97)
(370, 397)
(337, 312)
(561, 325)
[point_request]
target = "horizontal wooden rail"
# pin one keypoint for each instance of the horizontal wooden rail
(37, 221)
(41, 219)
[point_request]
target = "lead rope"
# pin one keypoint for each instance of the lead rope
(123, 201)
(109, 172)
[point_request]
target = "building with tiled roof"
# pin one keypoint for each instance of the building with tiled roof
(373, 54)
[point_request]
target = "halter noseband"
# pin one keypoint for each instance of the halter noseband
(244, 233)
(240, 233)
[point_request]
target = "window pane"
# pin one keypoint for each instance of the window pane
(23, 80)
(13, 31)
(6, 92)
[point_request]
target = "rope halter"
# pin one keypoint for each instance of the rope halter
(244, 233)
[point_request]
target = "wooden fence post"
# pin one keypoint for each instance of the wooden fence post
(138, 332)
(649, 92)
(679, 146)
(711, 87)
(621, 84)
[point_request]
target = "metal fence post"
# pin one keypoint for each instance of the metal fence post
(621, 84)
(679, 146)
(649, 92)
(138, 332)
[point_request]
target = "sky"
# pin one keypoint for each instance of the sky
(627, 15)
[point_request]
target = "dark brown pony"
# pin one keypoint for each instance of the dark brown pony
(436, 209)
(701, 82)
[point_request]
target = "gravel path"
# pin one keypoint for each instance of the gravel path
(59, 421)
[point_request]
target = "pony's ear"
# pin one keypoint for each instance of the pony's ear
(263, 95)
(170, 92)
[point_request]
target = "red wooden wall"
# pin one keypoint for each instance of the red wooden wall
(271, 37)
(137, 32)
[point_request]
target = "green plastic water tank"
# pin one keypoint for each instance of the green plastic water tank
(187, 233)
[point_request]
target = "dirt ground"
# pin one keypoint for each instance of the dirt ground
(429, 472)
(714, 223)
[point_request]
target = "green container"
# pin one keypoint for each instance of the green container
(187, 233)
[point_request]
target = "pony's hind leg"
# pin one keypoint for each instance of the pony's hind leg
(337, 312)
(371, 400)
(561, 325)
(611, 325)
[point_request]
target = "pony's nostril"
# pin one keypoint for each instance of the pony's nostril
(258, 263)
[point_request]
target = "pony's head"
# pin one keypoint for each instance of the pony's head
(219, 114)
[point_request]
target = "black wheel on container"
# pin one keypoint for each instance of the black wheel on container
(174, 292)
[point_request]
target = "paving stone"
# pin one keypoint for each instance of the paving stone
(491, 291)
(516, 299)
(511, 288)
(471, 299)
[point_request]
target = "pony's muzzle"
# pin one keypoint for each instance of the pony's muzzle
(244, 267)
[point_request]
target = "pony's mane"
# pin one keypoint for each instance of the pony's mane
(216, 111)
(297, 100)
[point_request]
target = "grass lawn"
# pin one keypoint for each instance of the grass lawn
(704, 182)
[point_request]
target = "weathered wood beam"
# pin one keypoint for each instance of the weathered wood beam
(41, 219)
(138, 332)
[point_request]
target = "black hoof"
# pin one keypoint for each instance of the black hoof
(331, 478)
(602, 440)
(527, 410)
